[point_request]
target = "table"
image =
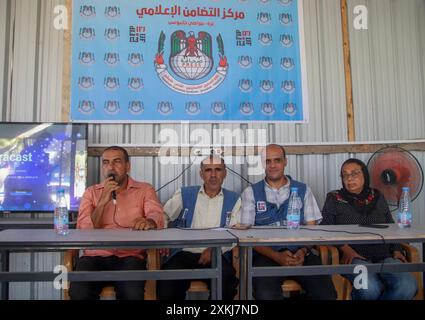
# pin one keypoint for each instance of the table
(21, 223)
(47, 240)
(29, 223)
(319, 235)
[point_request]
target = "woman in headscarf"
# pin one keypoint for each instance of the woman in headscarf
(357, 203)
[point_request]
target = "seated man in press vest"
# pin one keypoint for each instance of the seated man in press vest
(201, 207)
(266, 203)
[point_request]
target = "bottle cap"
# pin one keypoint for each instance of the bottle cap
(405, 188)
(294, 189)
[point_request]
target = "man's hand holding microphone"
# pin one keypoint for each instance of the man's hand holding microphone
(109, 190)
(113, 193)
(110, 187)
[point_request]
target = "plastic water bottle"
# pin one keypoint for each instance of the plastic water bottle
(228, 218)
(294, 210)
(183, 220)
(61, 217)
(404, 218)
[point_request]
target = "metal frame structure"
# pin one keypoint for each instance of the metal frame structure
(319, 235)
(47, 240)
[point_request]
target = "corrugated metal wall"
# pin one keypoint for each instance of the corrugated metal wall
(4, 36)
(388, 66)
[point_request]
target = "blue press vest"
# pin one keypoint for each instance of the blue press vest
(189, 197)
(272, 213)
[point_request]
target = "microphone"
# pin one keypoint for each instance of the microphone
(113, 194)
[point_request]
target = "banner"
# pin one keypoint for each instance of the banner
(201, 61)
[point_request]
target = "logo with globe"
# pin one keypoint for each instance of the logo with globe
(191, 57)
(191, 61)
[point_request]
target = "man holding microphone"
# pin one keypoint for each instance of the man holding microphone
(119, 202)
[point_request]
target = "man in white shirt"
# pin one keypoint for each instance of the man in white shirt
(266, 203)
(201, 207)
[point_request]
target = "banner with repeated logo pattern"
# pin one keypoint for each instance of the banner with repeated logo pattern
(201, 61)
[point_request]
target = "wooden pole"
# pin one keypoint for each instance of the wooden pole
(347, 68)
(176, 151)
(66, 73)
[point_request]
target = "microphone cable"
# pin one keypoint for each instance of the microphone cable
(190, 165)
(239, 175)
(332, 231)
(304, 228)
(355, 233)
(130, 228)
(114, 218)
(181, 173)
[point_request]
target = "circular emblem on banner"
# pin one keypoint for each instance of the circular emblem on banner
(286, 40)
(135, 84)
(265, 39)
(112, 12)
(165, 108)
(86, 58)
(191, 63)
(285, 2)
(266, 63)
(245, 61)
(112, 34)
(87, 33)
(111, 59)
(112, 107)
(246, 108)
(135, 59)
(290, 109)
(86, 83)
(86, 106)
(191, 59)
(135, 107)
(111, 83)
(264, 18)
(285, 19)
(268, 108)
(193, 108)
(266, 86)
(87, 11)
(245, 85)
(218, 108)
(287, 63)
(288, 86)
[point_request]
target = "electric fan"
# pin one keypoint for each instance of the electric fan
(392, 168)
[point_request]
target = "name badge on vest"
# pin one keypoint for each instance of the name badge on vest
(261, 206)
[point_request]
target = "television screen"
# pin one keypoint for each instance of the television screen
(38, 159)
